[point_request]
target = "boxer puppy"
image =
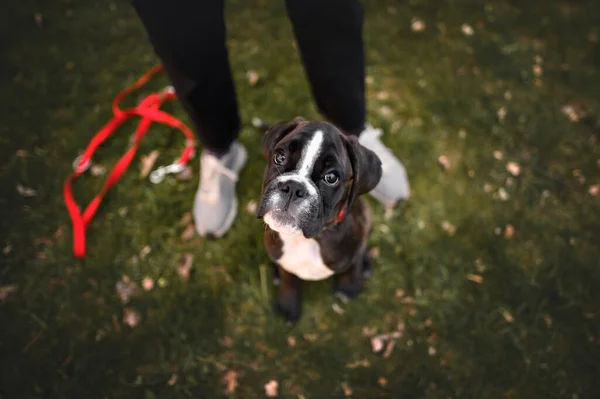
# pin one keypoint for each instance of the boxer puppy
(316, 224)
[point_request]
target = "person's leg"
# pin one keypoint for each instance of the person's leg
(329, 36)
(189, 37)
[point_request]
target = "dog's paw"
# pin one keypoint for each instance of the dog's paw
(288, 306)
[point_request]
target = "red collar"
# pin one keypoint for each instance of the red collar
(341, 215)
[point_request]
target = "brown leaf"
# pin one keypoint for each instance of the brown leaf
(474, 278)
(172, 380)
(507, 316)
(513, 168)
(389, 349)
(6, 291)
(97, 170)
(131, 317)
(448, 227)
(230, 380)
(594, 190)
(145, 252)
(37, 17)
(188, 233)
(185, 220)
(291, 341)
(7, 249)
(185, 265)
(148, 283)
(26, 191)
(251, 206)
(271, 388)
(378, 342)
(509, 231)
(252, 77)
(346, 388)
(148, 162)
(126, 289)
(382, 381)
(417, 25)
(444, 161)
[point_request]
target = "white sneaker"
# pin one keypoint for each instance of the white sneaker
(393, 186)
(215, 204)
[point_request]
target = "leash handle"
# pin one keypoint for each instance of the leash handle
(149, 112)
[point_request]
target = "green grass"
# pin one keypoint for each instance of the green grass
(529, 329)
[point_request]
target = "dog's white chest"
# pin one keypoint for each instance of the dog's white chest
(302, 257)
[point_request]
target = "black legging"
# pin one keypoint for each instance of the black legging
(189, 38)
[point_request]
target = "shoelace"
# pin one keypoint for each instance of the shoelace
(210, 171)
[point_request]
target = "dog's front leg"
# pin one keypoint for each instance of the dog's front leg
(349, 283)
(288, 298)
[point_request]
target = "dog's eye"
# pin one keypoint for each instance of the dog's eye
(331, 178)
(279, 158)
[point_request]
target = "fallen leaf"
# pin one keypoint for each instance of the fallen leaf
(537, 70)
(378, 343)
(291, 341)
(310, 337)
(271, 388)
(448, 227)
(502, 194)
(252, 77)
(148, 162)
(432, 351)
(147, 283)
(501, 113)
(126, 289)
(467, 29)
(185, 265)
(594, 189)
(172, 380)
(97, 170)
(474, 278)
(384, 228)
(37, 17)
(230, 380)
(382, 381)
(509, 231)
(251, 206)
(498, 155)
(369, 331)
(507, 316)
(21, 153)
(185, 219)
(417, 25)
(6, 291)
(69, 65)
(400, 293)
(462, 133)
(145, 252)
(389, 349)
(188, 233)
(488, 188)
(7, 249)
(26, 191)
(131, 317)
(383, 95)
(337, 308)
(358, 363)
(513, 168)
(548, 321)
(444, 161)
(375, 252)
(346, 388)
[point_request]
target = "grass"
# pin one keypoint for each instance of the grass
(490, 281)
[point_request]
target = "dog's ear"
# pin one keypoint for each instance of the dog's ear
(366, 168)
(277, 132)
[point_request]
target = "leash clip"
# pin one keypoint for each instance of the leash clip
(159, 174)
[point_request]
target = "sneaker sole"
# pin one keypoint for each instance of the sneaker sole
(237, 167)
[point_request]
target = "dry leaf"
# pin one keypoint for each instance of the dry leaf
(69, 65)
(513, 168)
(382, 381)
(548, 321)
(172, 380)
(369, 331)
(271, 388)
(498, 155)
(467, 29)
(474, 278)
(145, 252)
(147, 283)
(337, 308)
(126, 289)
(26, 191)
(230, 380)
(97, 170)
(358, 363)
(374, 252)
(131, 317)
(462, 133)
(7, 249)
(444, 161)
(431, 351)
(594, 190)
(509, 231)
(185, 265)
(389, 349)
(252, 77)
(188, 233)
(384, 228)
(400, 293)
(502, 194)
(488, 188)
(251, 206)
(448, 227)
(6, 291)
(417, 25)
(378, 342)
(385, 110)
(537, 70)
(37, 17)
(507, 316)
(291, 341)
(148, 162)
(501, 113)
(346, 388)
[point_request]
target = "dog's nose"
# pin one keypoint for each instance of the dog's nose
(296, 189)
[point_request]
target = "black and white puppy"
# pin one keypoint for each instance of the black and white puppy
(316, 226)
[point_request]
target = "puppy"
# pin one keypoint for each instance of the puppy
(316, 224)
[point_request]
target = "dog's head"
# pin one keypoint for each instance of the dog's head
(313, 175)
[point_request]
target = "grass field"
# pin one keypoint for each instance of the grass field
(486, 283)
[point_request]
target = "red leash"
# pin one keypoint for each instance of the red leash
(149, 111)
